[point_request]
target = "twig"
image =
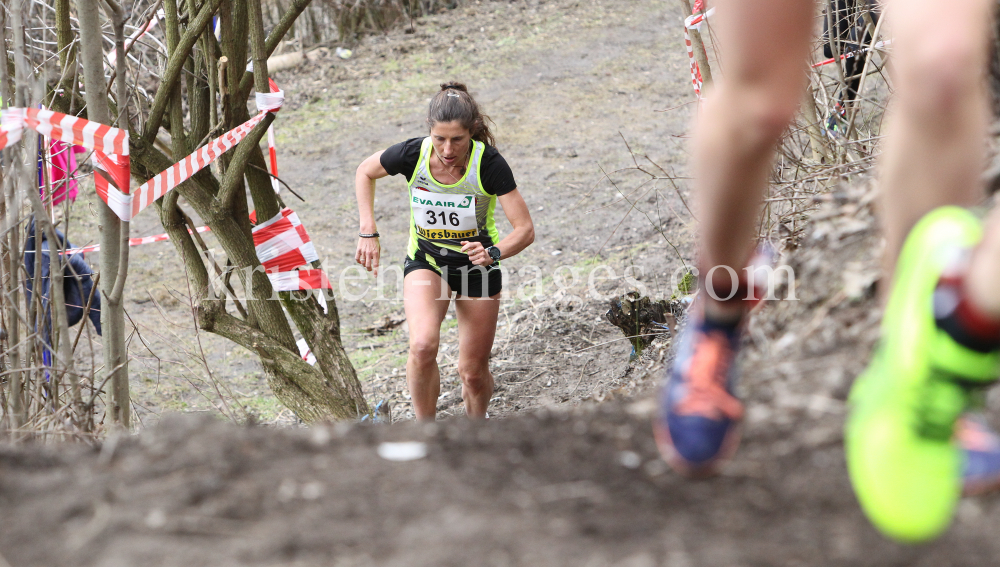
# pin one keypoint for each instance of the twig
(580, 381)
(280, 180)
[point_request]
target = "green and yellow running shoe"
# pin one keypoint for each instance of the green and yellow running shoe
(903, 462)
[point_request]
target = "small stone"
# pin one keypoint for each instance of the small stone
(320, 436)
(156, 519)
(402, 451)
(630, 459)
(312, 490)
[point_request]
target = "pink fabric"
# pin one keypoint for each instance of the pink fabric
(63, 157)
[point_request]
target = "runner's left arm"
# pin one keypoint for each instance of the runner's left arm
(523, 234)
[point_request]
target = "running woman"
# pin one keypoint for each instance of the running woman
(941, 329)
(455, 177)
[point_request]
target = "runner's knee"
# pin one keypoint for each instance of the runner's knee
(938, 77)
(769, 114)
(474, 377)
(424, 350)
(760, 109)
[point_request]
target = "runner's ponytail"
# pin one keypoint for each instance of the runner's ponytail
(454, 103)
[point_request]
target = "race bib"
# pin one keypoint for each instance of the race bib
(439, 216)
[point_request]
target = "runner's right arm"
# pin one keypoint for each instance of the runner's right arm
(364, 189)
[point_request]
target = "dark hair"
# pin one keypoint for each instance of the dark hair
(453, 102)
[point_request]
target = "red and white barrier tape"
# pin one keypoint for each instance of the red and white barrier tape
(282, 245)
(110, 144)
(305, 352)
(62, 127)
(273, 154)
(282, 242)
(128, 206)
(299, 280)
(271, 148)
(132, 241)
(693, 22)
(849, 54)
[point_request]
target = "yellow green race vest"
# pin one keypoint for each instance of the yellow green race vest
(442, 216)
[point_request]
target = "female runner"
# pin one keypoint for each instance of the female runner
(455, 178)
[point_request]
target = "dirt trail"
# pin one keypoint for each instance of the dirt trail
(580, 488)
(561, 479)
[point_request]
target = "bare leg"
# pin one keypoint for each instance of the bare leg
(766, 44)
(477, 325)
(425, 310)
(934, 152)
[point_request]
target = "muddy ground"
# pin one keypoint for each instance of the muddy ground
(566, 472)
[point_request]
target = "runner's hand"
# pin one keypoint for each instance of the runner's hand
(477, 254)
(368, 254)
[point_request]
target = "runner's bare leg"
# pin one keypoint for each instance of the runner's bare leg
(765, 45)
(477, 326)
(934, 150)
(425, 309)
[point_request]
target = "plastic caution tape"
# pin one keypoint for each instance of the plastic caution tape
(128, 206)
(282, 242)
(110, 145)
(849, 54)
(693, 22)
(132, 241)
(283, 245)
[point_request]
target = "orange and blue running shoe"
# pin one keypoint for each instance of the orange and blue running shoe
(698, 425)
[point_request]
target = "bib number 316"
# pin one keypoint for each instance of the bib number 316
(440, 216)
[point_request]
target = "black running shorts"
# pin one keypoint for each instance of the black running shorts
(468, 281)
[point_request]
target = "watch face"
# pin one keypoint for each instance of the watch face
(494, 253)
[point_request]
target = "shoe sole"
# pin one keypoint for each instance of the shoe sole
(683, 467)
(907, 485)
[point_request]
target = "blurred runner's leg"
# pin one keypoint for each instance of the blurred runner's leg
(934, 154)
(941, 330)
(765, 45)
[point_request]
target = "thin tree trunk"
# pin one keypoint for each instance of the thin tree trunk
(67, 52)
(112, 309)
(9, 289)
(21, 90)
(698, 45)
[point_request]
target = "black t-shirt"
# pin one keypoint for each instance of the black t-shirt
(497, 178)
